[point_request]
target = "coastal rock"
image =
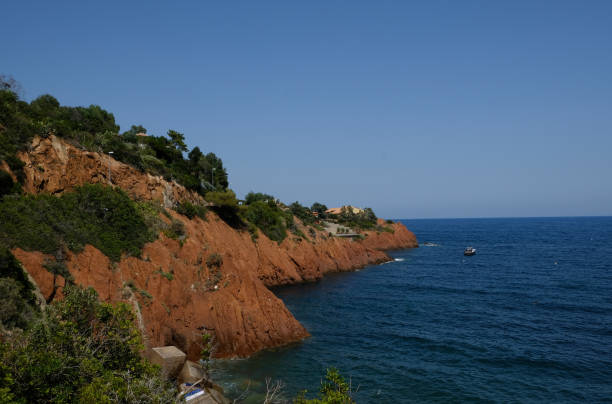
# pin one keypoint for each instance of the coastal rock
(54, 166)
(175, 294)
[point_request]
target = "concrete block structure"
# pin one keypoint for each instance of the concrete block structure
(191, 372)
(170, 359)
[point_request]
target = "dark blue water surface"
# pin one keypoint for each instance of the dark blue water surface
(527, 319)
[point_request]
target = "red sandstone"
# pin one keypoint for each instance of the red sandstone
(244, 315)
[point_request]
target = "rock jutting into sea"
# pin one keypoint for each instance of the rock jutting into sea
(232, 300)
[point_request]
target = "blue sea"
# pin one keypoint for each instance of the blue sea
(526, 319)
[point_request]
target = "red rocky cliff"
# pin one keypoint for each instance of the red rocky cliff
(175, 293)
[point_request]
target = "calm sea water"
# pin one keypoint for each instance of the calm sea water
(527, 319)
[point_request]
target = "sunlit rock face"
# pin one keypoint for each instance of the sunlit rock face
(175, 294)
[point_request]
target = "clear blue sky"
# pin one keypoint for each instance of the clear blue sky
(417, 109)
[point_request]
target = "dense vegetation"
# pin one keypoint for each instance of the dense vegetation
(259, 211)
(320, 209)
(363, 220)
(190, 210)
(79, 350)
(302, 213)
(269, 215)
(17, 301)
(274, 219)
(93, 214)
(95, 129)
(7, 185)
(225, 205)
(269, 218)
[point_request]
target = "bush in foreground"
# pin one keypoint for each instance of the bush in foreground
(334, 390)
(80, 350)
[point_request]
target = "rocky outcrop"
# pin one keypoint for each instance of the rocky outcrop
(305, 261)
(54, 166)
(176, 294)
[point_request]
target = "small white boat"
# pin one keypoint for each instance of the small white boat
(469, 251)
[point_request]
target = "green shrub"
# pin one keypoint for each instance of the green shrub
(302, 213)
(7, 185)
(207, 350)
(253, 231)
(334, 390)
(15, 310)
(124, 387)
(320, 209)
(190, 210)
(93, 214)
(150, 213)
(167, 275)
(252, 197)
(292, 227)
(385, 229)
(58, 268)
(145, 294)
(176, 230)
(11, 268)
(268, 218)
(80, 350)
(364, 220)
(223, 199)
(225, 205)
(214, 260)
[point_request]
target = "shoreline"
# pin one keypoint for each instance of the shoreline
(232, 299)
(233, 384)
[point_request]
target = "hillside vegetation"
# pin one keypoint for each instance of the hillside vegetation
(77, 350)
(81, 350)
(31, 220)
(95, 129)
(93, 214)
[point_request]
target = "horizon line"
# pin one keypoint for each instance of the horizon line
(506, 217)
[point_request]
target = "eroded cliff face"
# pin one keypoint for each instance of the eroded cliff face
(54, 166)
(176, 294)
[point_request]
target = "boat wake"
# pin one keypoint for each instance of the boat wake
(430, 245)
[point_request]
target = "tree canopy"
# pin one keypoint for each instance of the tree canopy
(95, 129)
